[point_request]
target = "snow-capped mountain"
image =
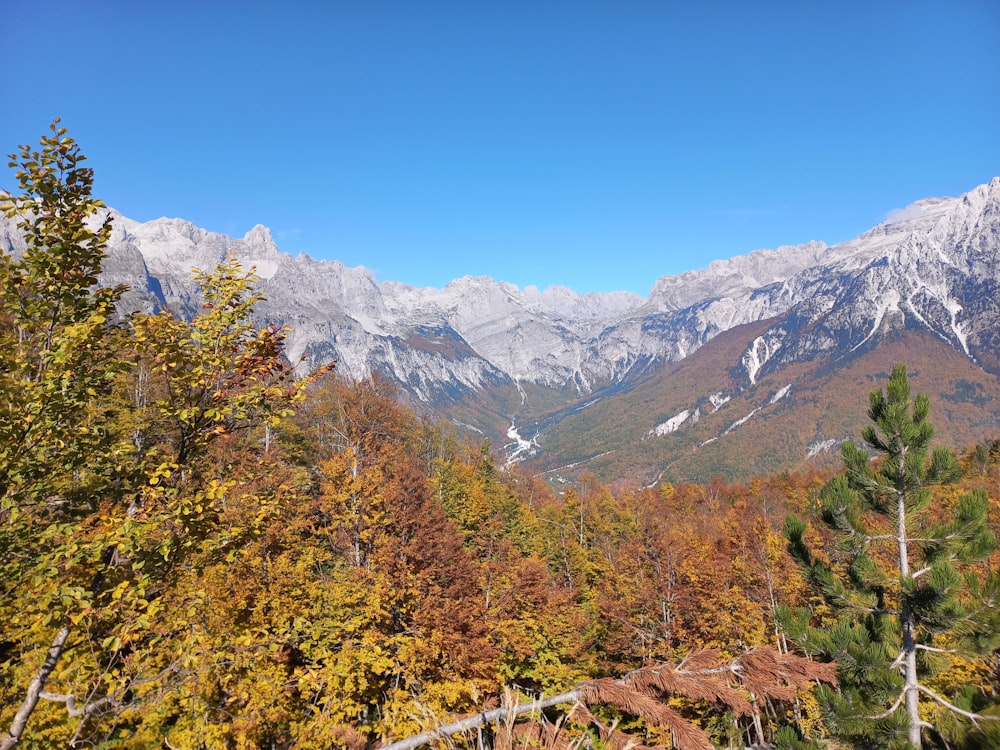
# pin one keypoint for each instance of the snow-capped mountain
(786, 382)
(933, 266)
(928, 263)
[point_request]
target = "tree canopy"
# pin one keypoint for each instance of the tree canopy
(201, 549)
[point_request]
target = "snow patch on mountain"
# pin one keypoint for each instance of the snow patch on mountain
(888, 303)
(954, 308)
(779, 394)
(821, 446)
(519, 449)
(672, 424)
(772, 399)
(718, 399)
(741, 421)
(756, 356)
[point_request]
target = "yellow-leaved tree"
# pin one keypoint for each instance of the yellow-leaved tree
(104, 429)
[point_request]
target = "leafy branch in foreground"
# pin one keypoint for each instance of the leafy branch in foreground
(57, 363)
(734, 685)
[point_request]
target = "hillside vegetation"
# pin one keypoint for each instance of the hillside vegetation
(201, 550)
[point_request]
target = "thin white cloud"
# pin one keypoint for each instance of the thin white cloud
(912, 211)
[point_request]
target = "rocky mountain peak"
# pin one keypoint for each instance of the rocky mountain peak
(735, 276)
(934, 265)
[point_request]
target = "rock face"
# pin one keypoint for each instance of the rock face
(935, 265)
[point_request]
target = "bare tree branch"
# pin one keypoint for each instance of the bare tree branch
(889, 711)
(973, 717)
(480, 719)
(643, 693)
(35, 689)
(71, 707)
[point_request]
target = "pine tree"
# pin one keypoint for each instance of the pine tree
(900, 577)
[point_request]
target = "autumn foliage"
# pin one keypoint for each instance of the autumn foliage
(201, 548)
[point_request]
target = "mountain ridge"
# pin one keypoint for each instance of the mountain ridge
(497, 358)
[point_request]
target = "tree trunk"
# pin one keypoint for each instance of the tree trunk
(912, 696)
(758, 728)
(35, 689)
(910, 687)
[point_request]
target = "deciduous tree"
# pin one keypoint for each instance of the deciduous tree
(104, 496)
(58, 361)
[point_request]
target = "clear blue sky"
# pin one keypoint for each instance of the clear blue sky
(595, 145)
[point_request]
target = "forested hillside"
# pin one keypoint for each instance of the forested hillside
(201, 549)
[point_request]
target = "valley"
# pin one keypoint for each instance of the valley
(671, 386)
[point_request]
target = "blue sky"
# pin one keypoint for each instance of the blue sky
(595, 145)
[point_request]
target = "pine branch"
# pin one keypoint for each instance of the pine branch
(933, 650)
(889, 711)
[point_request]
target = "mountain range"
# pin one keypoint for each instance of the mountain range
(755, 363)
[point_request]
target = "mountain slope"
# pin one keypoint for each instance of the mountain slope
(545, 372)
(701, 417)
(921, 288)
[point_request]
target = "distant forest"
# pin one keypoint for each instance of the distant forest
(200, 549)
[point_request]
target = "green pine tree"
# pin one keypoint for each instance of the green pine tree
(899, 579)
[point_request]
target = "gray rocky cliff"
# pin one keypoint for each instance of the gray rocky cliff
(933, 264)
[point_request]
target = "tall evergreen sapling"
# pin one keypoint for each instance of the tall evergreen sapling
(899, 580)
